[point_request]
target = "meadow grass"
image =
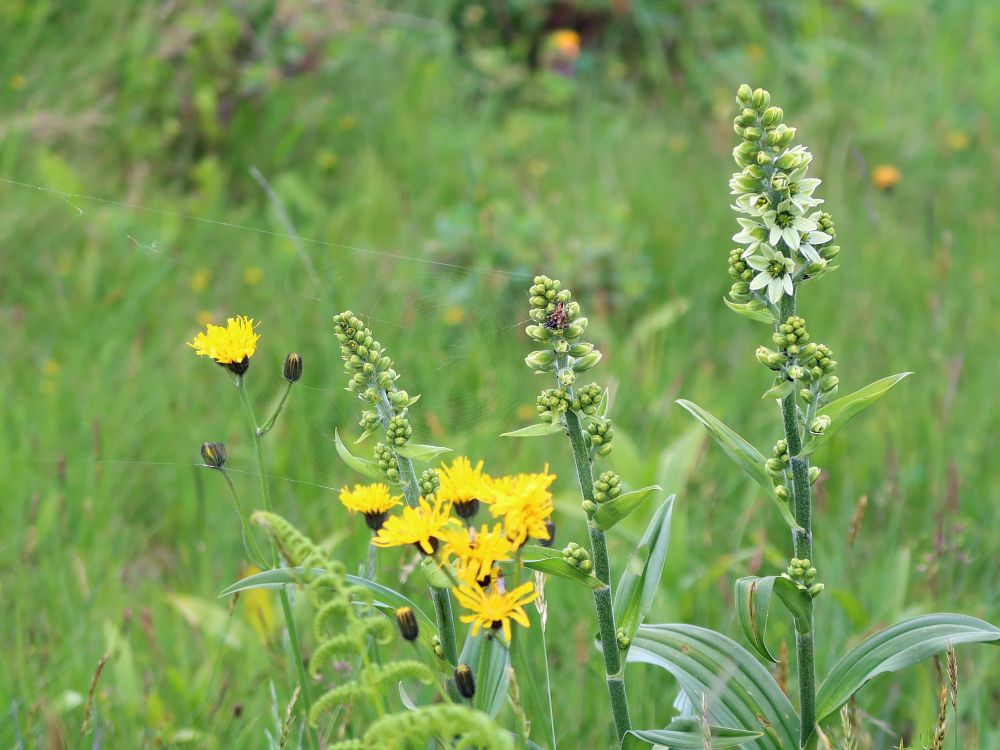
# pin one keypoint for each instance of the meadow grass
(431, 192)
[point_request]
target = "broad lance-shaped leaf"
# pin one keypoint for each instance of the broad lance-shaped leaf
(421, 452)
(745, 455)
(528, 659)
(687, 734)
(489, 661)
(844, 409)
(740, 691)
(557, 566)
(536, 430)
(641, 578)
(361, 465)
(753, 605)
(902, 645)
(387, 600)
(613, 511)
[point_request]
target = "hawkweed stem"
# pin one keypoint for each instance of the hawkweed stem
(614, 670)
(269, 422)
(286, 606)
(250, 545)
(802, 543)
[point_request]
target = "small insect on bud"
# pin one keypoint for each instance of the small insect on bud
(465, 682)
(214, 454)
(293, 367)
(407, 622)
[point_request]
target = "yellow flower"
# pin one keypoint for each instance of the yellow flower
(423, 526)
(373, 501)
(453, 315)
(886, 176)
(957, 140)
(464, 485)
(252, 275)
(525, 503)
(477, 552)
(567, 43)
(497, 608)
(200, 279)
(231, 346)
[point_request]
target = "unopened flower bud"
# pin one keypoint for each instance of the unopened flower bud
(771, 116)
(814, 472)
(293, 367)
(760, 99)
(214, 454)
(782, 493)
(580, 349)
(407, 622)
(828, 383)
(807, 395)
(587, 361)
(464, 681)
(541, 359)
(744, 93)
(816, 589)
(589, 507)
(820, 424)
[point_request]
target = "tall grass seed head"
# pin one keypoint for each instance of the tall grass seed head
(231, 345)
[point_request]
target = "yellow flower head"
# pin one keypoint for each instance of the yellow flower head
(231, 346)
(525, 503)
(477, 552)
(886, 176)
(566, 42)
(497, 608)
(373, 500)
(464, 486)
(423, 526)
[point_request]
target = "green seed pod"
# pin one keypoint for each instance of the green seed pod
(774, 465)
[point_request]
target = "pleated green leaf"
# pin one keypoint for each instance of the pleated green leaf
(489, 661)
(686, 734)
(753, 605)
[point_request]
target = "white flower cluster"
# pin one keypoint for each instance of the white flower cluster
(783, 234)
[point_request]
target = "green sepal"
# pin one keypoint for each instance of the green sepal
(361, 465)
(610, 513)
(763, 315)
(846, 408)
(745, 455)
(753, 605)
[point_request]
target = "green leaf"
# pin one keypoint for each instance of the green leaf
(763, 315)
(745, 455)
(904, 644)
(753, 605)
(536, 430)
(686, 734)
(844, 409)
(489, 661)
(557, 566)
(641, 578)
(424, 453)
(367, 434)
(361, 465)
(528, 658)
(613, 511)
(741, 691)
(387, 600)
(781, 390)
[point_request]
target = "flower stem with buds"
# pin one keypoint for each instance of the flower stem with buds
(286, 607)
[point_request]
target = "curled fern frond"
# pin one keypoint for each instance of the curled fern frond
(332, 699)
(397, 671)
(294, 546)
(335, 648)
(455, 726)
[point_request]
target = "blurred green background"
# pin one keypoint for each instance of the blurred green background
(435, 156)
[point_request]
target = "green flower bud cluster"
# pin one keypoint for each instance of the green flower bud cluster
(554, 311)
(771, 359)
(399, 430)
(803, 574)
(623, 640)
(778, 463)
(783, 237)
(386, 461)
(436, 647)
(430, 482)
(600, 434)
(368, 366)
(607, 487)
(369, 420)
(552, 403)
(819, 425)
(578, 557)
(819, 361)
(587, 399)
(791, 335)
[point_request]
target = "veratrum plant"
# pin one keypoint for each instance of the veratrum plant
(785, 241)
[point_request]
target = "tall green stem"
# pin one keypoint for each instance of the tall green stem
(286, 606)
(802, 544)
(613, 667)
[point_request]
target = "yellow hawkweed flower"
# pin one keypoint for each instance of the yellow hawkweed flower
(231, 346)
(566, 42)
(886, 176)
(464, 486)
(373, 501)
(423, 526)
(525, 503)
(497, 608)
(477, 552)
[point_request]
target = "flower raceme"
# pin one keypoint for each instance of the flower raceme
(231, 345)
(496, 608)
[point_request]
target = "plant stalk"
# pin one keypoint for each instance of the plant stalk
(613, 667)
(802, 544)
(286, 606)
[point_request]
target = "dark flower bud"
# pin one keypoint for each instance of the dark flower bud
(464, 681)
(293, 367)
(214, 454)
(407, 622)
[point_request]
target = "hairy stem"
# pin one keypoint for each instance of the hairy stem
(802, 544)
(613, 667)
(269, 422)
(286, 606)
